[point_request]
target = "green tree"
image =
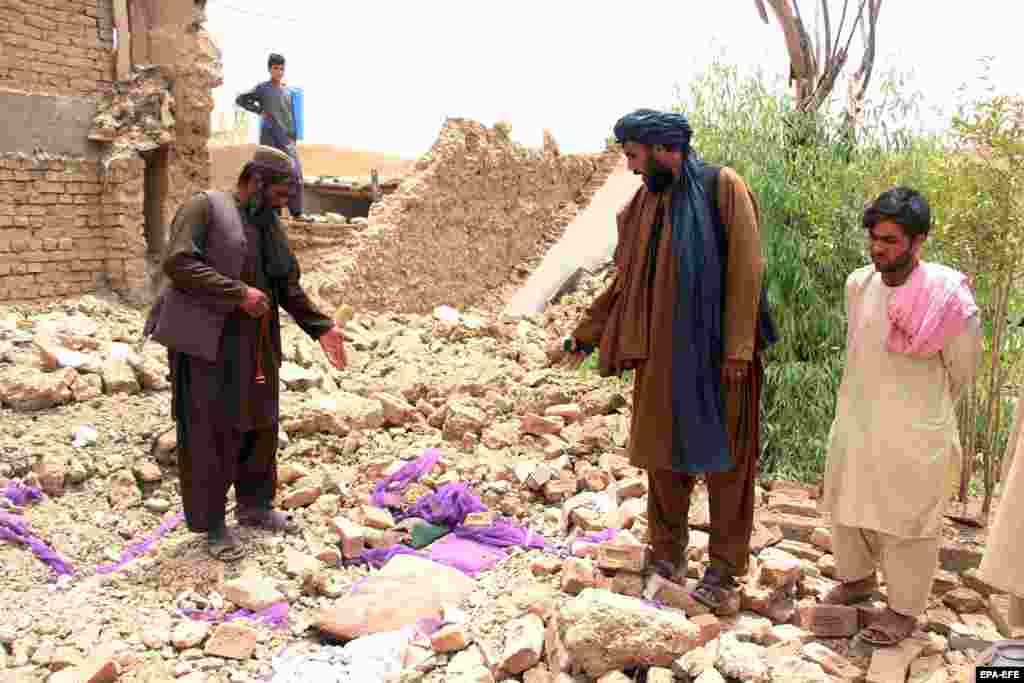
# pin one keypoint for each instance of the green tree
(981, 231)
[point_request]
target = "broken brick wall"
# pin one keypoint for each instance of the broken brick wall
(55, 228)
(477, 206)
(63, 226)
(72, 209)
(193, 70)
(60, 47)
(169, 50)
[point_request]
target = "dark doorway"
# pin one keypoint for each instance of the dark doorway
(154, 200)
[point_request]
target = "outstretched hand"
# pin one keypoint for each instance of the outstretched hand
(256, 303)
(333, 343)
(573, 360)
(559, 357)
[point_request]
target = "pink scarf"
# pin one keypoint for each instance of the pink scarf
(931, 307)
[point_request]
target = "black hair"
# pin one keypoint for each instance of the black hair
(901, 205)
(274, 60)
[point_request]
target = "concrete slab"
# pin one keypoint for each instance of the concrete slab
(55, 124)
(588, 241)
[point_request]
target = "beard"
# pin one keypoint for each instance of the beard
(261, 211)
(657, 178)
(899, 264)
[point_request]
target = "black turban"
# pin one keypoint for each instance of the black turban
(650, 127)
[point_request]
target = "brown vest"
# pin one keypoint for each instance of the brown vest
(191, 323)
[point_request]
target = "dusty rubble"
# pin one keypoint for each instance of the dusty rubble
(85, 419)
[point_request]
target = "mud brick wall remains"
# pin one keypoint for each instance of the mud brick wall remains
(63, 226)
(56, 46)
(73, 211)
(477, 206)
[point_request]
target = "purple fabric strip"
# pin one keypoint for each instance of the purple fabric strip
(20, 494)
(144, 546)
(388, 492)
(502, 534)
(467, 555)
(600, 536)
(448, 506)
(14, 528)
(276, 615)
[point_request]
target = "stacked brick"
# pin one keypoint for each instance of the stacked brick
(66, 228)
(56, 46)
(70, 226)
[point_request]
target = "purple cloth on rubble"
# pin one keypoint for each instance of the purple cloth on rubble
(144, 546)
(388, 491)
(378, 557)
(502, 534)
(448, 506)
(599, 536)
(468, 556)
(15, 528)
(276, 615)
(21, 494)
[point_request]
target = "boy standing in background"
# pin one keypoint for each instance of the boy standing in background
(272, 101)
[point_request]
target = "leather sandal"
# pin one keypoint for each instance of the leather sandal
(716, 591)
(226, 546)
(885, 632)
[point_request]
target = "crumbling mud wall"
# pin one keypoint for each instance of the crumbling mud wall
(476, 207)
(61, 225)
(56, 47)
(55, 225)
(83, 159)
(160, 114)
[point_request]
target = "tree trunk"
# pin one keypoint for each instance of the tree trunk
(814, 68)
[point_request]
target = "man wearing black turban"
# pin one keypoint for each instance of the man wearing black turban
(228, 270)
(686, 312)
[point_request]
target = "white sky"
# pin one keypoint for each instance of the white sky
(384, 76)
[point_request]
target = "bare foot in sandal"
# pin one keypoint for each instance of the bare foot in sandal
(718, 592)
(849, 592)
(888, 628)
(224, 544)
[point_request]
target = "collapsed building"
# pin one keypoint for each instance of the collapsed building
(468, 219)
(107, 107)
(106, 118)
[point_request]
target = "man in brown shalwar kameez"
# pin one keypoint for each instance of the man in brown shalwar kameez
(229, 268)
(686, 313)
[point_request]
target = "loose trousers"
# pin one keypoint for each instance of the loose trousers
(731, 493)
(908, 564)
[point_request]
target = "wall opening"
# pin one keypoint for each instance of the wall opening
(320, 200)
(156, 229)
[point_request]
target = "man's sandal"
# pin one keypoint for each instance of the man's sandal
(668, 570)
(717, 592)
(884, 632)
(226, 547)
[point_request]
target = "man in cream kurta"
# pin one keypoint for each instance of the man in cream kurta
(895, 429)
(1001, 565)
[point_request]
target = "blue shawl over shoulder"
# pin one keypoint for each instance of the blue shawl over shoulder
(699, 439)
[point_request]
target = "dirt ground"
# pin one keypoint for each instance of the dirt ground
(227, 160)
